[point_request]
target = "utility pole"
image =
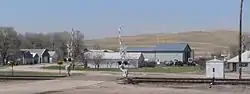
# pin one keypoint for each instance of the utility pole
(240, 39)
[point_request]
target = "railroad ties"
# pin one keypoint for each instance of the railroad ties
(136, 80)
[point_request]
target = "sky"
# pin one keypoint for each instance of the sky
(101, 18)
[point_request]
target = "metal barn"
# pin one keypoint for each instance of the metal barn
(165, 52)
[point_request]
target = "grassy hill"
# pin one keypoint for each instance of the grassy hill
(201, 42)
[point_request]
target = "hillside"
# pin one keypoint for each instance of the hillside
(202, 42)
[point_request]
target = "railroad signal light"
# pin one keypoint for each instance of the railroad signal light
(65, 60)
(125, 62)
(119, 62)
(69, 59)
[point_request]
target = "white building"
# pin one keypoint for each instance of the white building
(233, 64)
(215, 68)
(53, 56)
(110, 59)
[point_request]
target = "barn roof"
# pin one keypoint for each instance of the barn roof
(161, 47)
(245, 57)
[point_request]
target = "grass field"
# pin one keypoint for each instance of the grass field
(157, 69)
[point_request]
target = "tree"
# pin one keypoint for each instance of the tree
(97, 58)
(97, 47)
(83, 57)
(9, 43)
(233, 50)
(78, 44)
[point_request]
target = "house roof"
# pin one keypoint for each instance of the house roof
(101, 50)
(52, 53)
(115, 55)
(38, 51)
(34, 54)
(245, 57)
(162, 47)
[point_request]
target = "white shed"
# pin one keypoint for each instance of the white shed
(215, 68)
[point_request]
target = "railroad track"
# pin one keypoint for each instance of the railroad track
(136, 80)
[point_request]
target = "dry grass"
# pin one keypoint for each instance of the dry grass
(201, 41)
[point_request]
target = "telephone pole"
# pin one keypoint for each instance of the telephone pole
(240, 39)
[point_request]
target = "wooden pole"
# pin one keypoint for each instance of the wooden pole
(240, 39)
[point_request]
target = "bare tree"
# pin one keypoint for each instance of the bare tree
(9, 43)
(84, 57)
(233, 50)
(97, 47)
(97, 58)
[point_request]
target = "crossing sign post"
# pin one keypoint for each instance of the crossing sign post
(60, 63)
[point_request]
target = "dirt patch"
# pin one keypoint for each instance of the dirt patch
(203, 87)
(49, 92)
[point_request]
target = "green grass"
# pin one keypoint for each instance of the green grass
(156, 69)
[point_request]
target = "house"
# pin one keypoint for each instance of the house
(110, 60)
(24, 57)
(53, 56)
(35, 57)
(42, 53)
(233, 64)
(165, 52)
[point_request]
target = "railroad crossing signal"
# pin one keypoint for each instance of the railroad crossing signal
(67, 59)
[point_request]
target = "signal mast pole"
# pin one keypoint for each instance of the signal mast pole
(122, 45)
(123, 53)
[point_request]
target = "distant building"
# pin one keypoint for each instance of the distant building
(105, 50)
(43, 54)
(165, 52)
(53, 56)
(233, 64)
(21, 57)
(110, 59)
(35, 57)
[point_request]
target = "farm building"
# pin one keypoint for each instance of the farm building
(110, 60)
(42, 53)
(53, 56)
(165, 52)
(233, 64)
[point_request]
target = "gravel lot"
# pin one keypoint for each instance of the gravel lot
(109, 86)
